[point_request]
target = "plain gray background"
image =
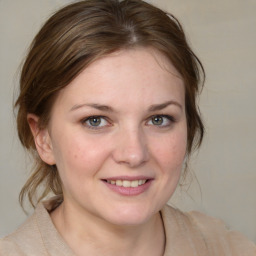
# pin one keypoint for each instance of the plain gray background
(223, 35)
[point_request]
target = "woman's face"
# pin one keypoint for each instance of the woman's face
(118, 136)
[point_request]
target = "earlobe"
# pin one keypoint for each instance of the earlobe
(42, 140)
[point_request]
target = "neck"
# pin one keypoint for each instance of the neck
(86, 234)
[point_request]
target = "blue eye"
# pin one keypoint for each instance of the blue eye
(161, 120)
(95, 122)
(157, 120)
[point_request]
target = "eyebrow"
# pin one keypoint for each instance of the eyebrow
(93, 105)
(105, 108)
(157, 107)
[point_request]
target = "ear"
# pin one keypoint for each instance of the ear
(42, 140)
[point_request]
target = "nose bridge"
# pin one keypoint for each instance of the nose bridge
(131, 147)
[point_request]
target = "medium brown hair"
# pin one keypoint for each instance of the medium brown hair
(72, 39)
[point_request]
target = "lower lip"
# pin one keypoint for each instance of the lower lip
(129, 191)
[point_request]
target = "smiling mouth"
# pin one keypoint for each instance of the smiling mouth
(127, 183)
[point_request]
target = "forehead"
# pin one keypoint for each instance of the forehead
(145, 59)
(131, 74)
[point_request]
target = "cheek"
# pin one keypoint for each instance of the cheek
(171, 151)
(80, 156)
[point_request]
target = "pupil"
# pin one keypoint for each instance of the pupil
(94, 121)
(157, 120)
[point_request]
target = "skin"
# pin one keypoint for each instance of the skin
(126, 141)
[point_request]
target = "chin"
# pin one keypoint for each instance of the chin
(130, 216)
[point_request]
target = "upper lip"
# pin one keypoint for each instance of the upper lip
(130, 178)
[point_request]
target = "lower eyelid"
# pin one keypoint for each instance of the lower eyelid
(170, 119)
(106, 123)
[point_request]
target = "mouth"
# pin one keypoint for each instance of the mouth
(128, 186)
(127, 183)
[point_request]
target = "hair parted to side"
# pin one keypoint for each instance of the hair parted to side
(72, 39)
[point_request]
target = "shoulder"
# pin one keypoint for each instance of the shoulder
(9, 248)
(37, 236)
(26, 240)
(207, 233)
(216, 230)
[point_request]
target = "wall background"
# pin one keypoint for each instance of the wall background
(223, 35)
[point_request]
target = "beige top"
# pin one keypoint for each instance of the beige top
(187, 234)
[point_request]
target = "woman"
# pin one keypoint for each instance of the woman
(107, 107)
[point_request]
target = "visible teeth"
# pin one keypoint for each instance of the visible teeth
(127, 183)
(143, 182)
(119, 183)
(135, 183)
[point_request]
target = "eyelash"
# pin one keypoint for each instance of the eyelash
(169, 118)
(87, 119)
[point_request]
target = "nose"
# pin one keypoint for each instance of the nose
(131, 148)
